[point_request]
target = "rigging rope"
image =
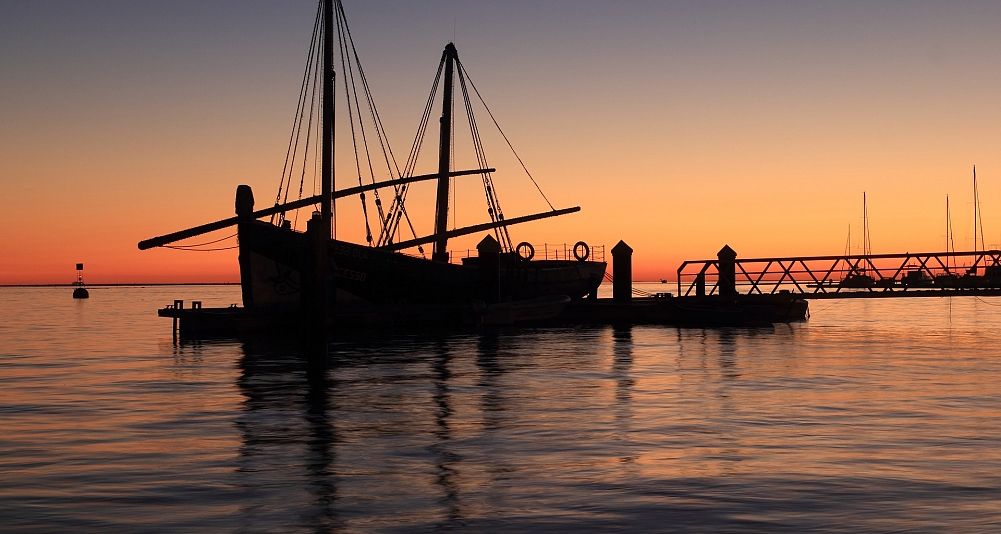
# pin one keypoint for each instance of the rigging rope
(205, 243)
(350, 62)
(190, 248)
(348, 73)
(312, 134)
(477, 91)
(987, 303)
(635, 290)
(297, 120)
(387, 150)
(397, 210)
(493, 203)
(309, 136)
(183, 249)
(304, 129)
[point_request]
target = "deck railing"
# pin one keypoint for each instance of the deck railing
(545, 251)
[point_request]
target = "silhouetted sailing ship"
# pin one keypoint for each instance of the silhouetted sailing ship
(273, 254)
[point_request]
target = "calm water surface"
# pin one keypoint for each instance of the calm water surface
(873, 416)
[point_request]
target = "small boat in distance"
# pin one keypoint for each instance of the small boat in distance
(858, 276)
(948, 279)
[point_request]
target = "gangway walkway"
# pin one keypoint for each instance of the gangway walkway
(931, 274)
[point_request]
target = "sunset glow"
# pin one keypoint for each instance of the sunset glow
(677, 127)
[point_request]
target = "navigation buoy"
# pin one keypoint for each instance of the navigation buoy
(80, 292)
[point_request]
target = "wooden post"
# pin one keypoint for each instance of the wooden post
(488, 251)
(244, 212)
(727, 271)
(178, 305)
(313, 294)
(622, 272)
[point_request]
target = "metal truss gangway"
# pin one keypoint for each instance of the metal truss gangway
(930, 274)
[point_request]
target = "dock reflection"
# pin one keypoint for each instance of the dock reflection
(288, 453)
(492, 401)
(622, 364)
(320, 451)
(439, 423)
(446, 460)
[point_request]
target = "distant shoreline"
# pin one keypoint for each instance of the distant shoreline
(194, 284)
(198, 284)
(127, 285)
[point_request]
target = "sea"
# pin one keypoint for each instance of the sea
(875, 415)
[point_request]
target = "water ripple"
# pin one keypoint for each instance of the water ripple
(874, 416)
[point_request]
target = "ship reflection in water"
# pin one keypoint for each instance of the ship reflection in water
(872, 416)
(499, 431)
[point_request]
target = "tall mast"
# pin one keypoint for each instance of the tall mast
(444, 159)
(316, 283)
(327, 154)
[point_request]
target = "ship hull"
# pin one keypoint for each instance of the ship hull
(271, 258)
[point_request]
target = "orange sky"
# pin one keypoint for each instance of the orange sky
(676, 127)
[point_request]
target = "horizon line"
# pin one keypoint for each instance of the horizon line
(127, 284)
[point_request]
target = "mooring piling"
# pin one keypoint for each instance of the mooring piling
(727, 259)
(622, 272)
(488, 250)
(245, 213)
(315, 293)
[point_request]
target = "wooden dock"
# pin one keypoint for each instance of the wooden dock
(742, 310)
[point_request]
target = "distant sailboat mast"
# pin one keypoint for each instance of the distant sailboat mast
(978, 223)
(848, 249)
(848, 244)
(866, 243)
(948, 234)
(977, 218)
